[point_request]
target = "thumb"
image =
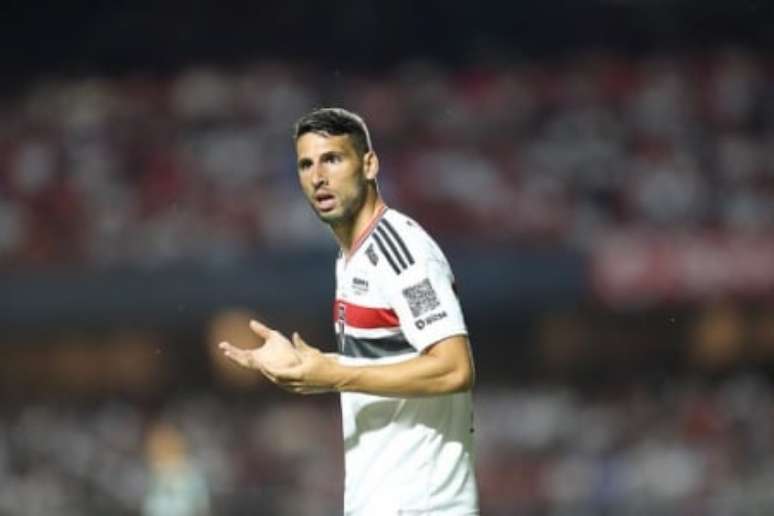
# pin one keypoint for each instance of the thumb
(299, 343)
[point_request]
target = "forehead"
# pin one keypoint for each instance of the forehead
(315, 144)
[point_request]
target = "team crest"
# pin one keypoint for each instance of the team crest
(372, 256)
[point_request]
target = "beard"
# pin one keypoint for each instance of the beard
(348, 209)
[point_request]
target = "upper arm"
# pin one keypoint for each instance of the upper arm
(419, 286)
(454, 353)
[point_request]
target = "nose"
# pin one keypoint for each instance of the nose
(318, 177)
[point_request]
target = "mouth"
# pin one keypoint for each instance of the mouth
(325, 201)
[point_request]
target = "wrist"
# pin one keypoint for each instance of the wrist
(343, 376)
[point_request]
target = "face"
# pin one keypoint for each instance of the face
(333, 176)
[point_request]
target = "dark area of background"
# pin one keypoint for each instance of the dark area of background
(49, 38)
(583, 381)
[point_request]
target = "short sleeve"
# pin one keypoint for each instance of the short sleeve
(422, 295)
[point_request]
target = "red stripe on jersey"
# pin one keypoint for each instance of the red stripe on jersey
(363, 316)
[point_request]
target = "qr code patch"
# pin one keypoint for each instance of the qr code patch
(421, 298)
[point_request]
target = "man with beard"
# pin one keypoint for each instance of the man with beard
(404, 366)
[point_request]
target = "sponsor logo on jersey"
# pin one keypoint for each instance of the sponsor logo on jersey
(421, 298)
(421, 324)
(359, 286)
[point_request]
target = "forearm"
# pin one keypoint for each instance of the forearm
(443, 368)
(425, 375)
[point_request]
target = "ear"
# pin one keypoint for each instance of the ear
(370, 165)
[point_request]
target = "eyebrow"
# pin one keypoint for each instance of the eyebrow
(330, 153)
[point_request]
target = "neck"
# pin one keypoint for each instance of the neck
(348, 233)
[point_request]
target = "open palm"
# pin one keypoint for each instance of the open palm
(276, 351)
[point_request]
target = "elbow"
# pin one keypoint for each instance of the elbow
(462, 380)
(469, 379)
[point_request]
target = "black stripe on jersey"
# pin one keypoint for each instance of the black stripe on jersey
(381, 231)
(385, 253)
(398, 239)
(374, 348)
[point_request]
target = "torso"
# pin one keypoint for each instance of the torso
(401, 454)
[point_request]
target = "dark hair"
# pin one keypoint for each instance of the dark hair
(335, 122)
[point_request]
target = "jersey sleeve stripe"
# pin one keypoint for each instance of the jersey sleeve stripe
(398, 239)
(366, 317)
(391, 245)
(385, 253)
(375, 348)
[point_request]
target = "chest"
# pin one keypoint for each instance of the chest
(358, 281)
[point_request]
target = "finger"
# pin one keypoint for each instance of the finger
(259, 329)
(288, 375)
(241, 356)
(299, 343)
(311, 390)
(284, 385)
(277, 375)
(239, 359)
(300, 388)
(227, 347)
(283, 377)
(269, 376)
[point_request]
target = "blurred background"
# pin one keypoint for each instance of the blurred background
(600, 174)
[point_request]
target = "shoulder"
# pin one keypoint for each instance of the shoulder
(402, 244)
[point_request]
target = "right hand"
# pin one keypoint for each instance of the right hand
(276, 352)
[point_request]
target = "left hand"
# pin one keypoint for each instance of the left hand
(315, 373)
(304, 371)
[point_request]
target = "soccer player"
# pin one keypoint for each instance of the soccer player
(404, 366)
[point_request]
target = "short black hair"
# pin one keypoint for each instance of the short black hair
(335, 121)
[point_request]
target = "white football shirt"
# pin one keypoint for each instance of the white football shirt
(394, 298)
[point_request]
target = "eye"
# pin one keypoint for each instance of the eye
(332, 158)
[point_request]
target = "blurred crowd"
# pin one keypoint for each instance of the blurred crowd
(680, 447)
(199, 164)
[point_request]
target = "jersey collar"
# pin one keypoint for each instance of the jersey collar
(366, 232)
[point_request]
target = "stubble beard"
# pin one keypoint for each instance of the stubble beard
(348, 211)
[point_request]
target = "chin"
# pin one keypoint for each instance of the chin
(334, 217)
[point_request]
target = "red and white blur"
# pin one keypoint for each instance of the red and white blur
(600, 175)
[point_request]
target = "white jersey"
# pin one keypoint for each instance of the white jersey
(394, 298)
